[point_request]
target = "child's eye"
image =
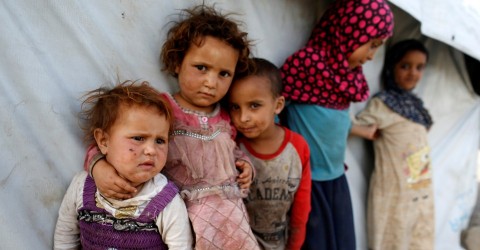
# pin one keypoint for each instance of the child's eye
(405, 66)
(234, 107)
(201, 67)
(225, 74)
(138, 138)
(255, 105)
(160, 141)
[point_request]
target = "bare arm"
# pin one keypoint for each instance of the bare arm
(108, 182)
(369, 132)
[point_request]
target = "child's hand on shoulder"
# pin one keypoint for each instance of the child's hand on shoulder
(245, 177)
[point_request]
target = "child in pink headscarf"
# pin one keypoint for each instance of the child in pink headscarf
(320, 81)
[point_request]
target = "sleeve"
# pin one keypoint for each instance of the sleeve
(301, 202)
(377, 113)
(174, 225)
(93, 156)
(67, 232)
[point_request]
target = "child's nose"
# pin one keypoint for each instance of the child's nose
(244, 116)
(149, 148)
(210, 81)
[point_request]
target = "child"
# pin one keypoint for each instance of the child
(130, 124)
(400, 188)
(320, 81)
(204, 51)
(279, 199)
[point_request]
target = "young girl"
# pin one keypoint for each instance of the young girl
(400, 202)
(320, 81)
(130, 124)
(279, 199)
(204, 51)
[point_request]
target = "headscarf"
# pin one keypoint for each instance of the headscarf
(403, 102)
(319, 72)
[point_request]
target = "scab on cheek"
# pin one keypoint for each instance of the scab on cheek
(131, 150)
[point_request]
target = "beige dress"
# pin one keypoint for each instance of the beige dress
(400, 200)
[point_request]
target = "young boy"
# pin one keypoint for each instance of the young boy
(279, 201)
(130, 124)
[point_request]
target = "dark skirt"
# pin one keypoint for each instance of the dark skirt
(330, 223)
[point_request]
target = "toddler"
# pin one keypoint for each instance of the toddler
(130, 124)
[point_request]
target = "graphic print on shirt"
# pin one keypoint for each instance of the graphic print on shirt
(418, 168)
(272, 193)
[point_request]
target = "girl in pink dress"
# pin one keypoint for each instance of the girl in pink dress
(204, 51)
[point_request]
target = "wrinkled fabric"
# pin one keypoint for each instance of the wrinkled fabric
(400, 201)
(201, 162)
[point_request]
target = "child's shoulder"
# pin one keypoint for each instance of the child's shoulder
(80, 177)
(293, 136)
(297, 140)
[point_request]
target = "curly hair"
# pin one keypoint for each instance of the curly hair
(194, 25)
(101, 107)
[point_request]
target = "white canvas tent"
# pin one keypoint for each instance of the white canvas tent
(52, 52)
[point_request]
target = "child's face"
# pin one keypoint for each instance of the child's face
(137, 143)
(253, 107)
(409, 70)
(364, 53)
(205, 74)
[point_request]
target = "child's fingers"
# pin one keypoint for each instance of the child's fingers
(244, 182)
(120, 190)
(125, 186)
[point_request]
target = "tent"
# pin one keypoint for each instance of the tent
(55, 51)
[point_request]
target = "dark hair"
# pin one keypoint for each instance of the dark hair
(194, 25)
(101, 106)
(395, 54)
(264, 68)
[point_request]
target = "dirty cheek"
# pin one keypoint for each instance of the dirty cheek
(131, 150)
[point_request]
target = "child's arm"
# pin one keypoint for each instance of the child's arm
(67, 232)
(106, 178)
(174, 226)
(301, 205)
(369, 132)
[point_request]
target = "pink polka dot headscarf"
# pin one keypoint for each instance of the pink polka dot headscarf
(319, 73)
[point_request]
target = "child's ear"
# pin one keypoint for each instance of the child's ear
(280, 104)
(101, 137)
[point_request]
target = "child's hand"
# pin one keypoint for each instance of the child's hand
(244, 179)
(109, 183)
(372, 132)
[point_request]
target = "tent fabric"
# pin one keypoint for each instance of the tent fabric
(455, 23)
(53, 52)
